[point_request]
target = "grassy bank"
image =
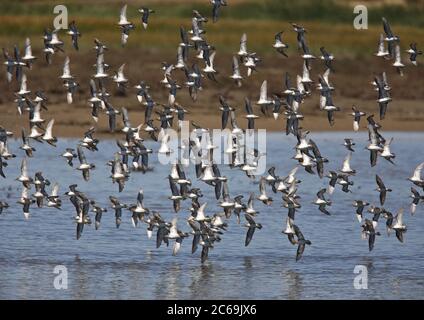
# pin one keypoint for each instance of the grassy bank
(411, 14)
(100, 21)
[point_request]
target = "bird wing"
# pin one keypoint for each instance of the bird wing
(125, 118)
(24, 168)
(140, 196)
(236, 68)
(100, 63)
(305, 70)
(180, 58)
(326, 76)
(123, 14)
(117, 166)
(415, 193)
(248, 106)
(225, 190)
(174, 222)
(205, 252)
(183, 35)
(24, 194)
(386, 28)
(195, 27)
(55, 190)
(262, 185)
(180, 171)
(93, 88)
(381, 43)
(371, 240)
(417, 171)
(373, 136)
(121, 71)
(293, 171)
(380, 182)
(397, 52)
(384, 76)
(251, 199)
(304, 46)
(263, 93)
(49, 128)
(287, 80)
(24, 139)
(243, 43)
(323, 209)
(28, 51)
(81, 155)
(299, 83)
(399, 217)
(114, 200)
(66, 68)
(172, 185)
(315, 149)
(346, 162)
(211, 58)
(299, 252)
(23, 82)
(320, 194)
(388, 143)
(298, 233)
(278, 37)
(249, 235)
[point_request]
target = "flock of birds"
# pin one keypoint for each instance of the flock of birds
(132, 155)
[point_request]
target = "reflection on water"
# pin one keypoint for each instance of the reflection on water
(123, 263)
(294, 280)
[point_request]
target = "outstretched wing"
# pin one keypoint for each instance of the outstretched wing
(249, 235)
(379, 181)
(81, 155)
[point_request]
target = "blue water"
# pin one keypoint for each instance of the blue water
(123, 263)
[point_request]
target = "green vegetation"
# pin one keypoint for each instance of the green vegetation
(329, 11)
(329, 23)
(302, 10)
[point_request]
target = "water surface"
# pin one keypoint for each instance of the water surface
(123, 263)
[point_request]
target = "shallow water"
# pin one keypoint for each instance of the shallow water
(123, 263)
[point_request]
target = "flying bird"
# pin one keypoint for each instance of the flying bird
(301, 242)
(84, 166)
(381, 188)
(216, 6)
(413, 53)
(75, 34)
(279, 45)
(321, 202)
(252, 226)
(145, 14)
